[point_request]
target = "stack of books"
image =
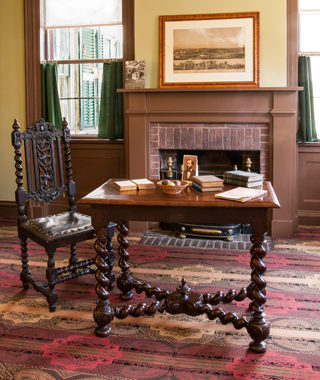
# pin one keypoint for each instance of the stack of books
(207, 183)
(242, 178)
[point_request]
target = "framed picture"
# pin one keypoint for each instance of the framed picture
(209, 50)
(134, 76)
(190, 167)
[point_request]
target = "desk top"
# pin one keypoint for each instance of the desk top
(107, 194)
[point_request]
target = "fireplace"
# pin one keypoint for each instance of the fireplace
(214, 144)
(260, 120)
(214, 162)
(210, 161)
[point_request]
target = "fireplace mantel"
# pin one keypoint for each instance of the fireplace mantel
(273, 106)
(209, 89)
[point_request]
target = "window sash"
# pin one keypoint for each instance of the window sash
(309, 19)
(80, 86)
(77, 12)
(34, 37)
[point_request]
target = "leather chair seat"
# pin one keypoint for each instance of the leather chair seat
(54, 227)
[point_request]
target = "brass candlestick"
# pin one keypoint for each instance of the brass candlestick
(169, 170)
(248, 164)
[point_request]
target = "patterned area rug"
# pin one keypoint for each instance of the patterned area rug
(36, 344)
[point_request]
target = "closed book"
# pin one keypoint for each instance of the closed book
(241, 194)
(125, 185)
(237, 182)
(198, 187)
(143, 183)
(207, 180)
(243, 176)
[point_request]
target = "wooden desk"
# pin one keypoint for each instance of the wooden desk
(108, 204)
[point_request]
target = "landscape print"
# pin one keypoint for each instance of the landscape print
(209, 50)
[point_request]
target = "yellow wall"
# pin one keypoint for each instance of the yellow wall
(272, 32)
(12, 88)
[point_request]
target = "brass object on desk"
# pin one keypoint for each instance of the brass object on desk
(169, 173)
(248, 164)
(169, 170)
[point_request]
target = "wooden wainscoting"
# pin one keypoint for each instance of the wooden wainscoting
(8, 210)
(93, 163)
(309, 184)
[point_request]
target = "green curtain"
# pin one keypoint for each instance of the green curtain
(49, 94)
(307, 127)
(111, 104)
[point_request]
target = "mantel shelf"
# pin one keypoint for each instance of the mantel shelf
(209, 89)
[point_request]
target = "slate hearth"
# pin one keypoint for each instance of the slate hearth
(158, 237)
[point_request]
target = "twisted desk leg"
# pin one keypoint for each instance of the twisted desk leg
(258, 328)
(125, 281)
(103, 313)
(110, 259)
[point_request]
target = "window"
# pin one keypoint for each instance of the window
(309, 44)
(80, 36)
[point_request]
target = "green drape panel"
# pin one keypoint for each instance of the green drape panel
(111, 104)
(307, 127)
(49, 94)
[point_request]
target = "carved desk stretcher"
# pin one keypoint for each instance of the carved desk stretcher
(107, 203)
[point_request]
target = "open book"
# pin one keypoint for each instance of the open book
(241, 194)
(134, 184)
(143, 183)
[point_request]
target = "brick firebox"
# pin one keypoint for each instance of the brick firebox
(205, 136)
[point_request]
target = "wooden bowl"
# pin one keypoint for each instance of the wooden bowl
(173, 190)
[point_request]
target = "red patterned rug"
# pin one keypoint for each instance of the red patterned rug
(36, 344)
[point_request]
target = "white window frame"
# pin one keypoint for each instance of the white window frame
(47, 55)
(312, 54)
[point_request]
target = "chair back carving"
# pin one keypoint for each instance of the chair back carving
(48, 177)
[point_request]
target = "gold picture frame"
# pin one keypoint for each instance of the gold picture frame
(209, 50)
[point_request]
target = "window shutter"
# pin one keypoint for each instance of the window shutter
(88, 81)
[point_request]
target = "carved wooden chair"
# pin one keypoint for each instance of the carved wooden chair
(48, 177)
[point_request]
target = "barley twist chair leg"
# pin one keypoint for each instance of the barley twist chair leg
(25, 266)
(73, 256)
(51, 278)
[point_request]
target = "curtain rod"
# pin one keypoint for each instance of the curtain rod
(77, 61)
(111, 23)
(309, 54)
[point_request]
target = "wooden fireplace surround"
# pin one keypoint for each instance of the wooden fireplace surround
(275, 107)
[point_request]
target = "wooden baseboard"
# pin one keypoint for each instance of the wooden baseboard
(8, 210)
(309, 218)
